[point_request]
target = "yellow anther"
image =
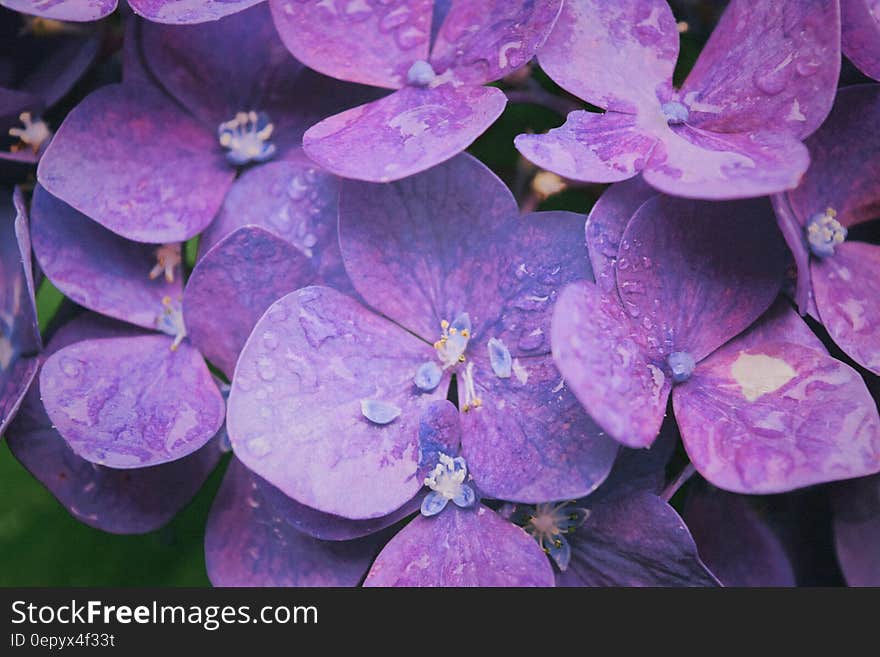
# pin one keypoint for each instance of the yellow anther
(831, 212)
(444, 324)
(465, 333)
(462, 358)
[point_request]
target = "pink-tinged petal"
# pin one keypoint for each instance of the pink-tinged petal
(133, 161)
(404, 133)
(734, 541)
(484, 40)
(847, 290)
(295, 201)
(857, 531)
(233, 285)
(633, 540)
(601, 354)
(780, 322)
(96, 268)
(767, 66)
(591, 147)
(619, 56)
(184, 12)
(606, 223)
(327, 527)
(642, 469)
(696, 163)
(435, 274)
(295, 409)
(262, 77)
(131, 402)
(695, 274)
(531, 440)
(370, 43)
(845, 153)
(461, 547)
(761, 416)
(132, 501)
(792, 228)
(860, 38)
(64, 10)
(249, 543)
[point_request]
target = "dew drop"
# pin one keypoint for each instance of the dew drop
(379, 412)
(270, 340)
(266, 368)
(259, 446)
(71, 367)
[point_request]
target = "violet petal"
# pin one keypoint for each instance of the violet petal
(131, 402)
(470, 547)
(404, 133)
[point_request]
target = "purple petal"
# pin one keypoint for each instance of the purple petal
(96, 268)
(605, 363)
(15, 380)
(860, 24)
(18, 271)
(372, 44)
(248, 542)
(607, 222)
(232, 286)
(64, 10)
(591, 147)
(845, 169)
(262, 76)
(734, 541)
(847, 287)
(461, 548)
(295, 407)
(404, 133)
(857, 531)
(435, 274)
(767, 66)
(696, 163)
(131, 402)
(439, 433)
(62, 61)
(634, 540)
(531, 440)
(765, 415)
(639, 470)
(694, 275)
(129, 501)
(183, 12)
(792, 228)
(483, 40)
(618, 56)
(298, 203)
(130, 159)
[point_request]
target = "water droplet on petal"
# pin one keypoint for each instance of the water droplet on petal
(379, 412)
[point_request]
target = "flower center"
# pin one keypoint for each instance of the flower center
(167, 259)
(171, 322)
(825, 233)
(675, 112)
(453, 340)
(421, 74)
(446, 482)
(33, 135)
(548, 524)
(246, 137)
(682, 365)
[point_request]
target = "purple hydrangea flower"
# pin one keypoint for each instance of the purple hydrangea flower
(138, 400)
(154, 165)
(839, 279)
(435, 55)
(765, 80)
(735, 541)
(39, 64)
(121, 501)
(623, 534)
(857, 530)
(683, 307)
(328, 391)
(19, 334)
(179, 12)
(860, 40)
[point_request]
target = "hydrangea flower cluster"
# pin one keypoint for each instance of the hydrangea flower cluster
(284, 263)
